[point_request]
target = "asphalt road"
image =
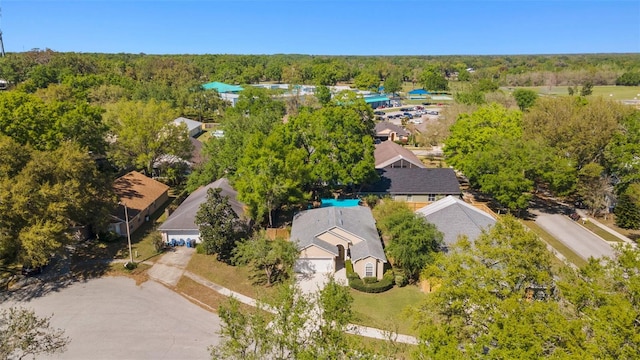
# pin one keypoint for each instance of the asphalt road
(112, 318)
(583, 242)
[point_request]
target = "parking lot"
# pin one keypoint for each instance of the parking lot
(113, 318)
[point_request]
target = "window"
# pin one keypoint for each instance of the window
(368, 270)
(431, 197)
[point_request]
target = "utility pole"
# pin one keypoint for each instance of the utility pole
(126, 217)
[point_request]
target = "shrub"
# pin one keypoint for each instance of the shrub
(349, 269)
(200, 249)
(370, 280)
(372, 288)
(156, 241)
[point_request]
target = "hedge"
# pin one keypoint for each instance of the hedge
(370, 284)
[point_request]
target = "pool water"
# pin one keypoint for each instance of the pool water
(340, 202)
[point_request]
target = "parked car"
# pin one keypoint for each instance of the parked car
(406, 114)
(378, 112)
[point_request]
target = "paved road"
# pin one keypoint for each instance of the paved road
(583, 242)
(112, 318)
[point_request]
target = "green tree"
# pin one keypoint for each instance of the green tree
(393, 83)
(300, 326)
(45, 194)
(220, 227)
(412, 241)
(144, 132)
(269, 175)
(367, 81)
(24, 334)
(271, 260)
(592, 187)
(323, 94)
(481, 293)
(587, 89)
(338, 142)
(628, 208)
(621, 153)
(433, 79)
(629, 78)
(525, 98)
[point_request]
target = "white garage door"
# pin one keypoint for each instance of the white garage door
(310, 266)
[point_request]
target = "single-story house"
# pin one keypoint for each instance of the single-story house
(193, 127)
(388, 154)
(222, 88)
(454, 217)
(141, 196)
(327, 237)
(386, 130)
(376, 101)
(414, 184)
(181, 224)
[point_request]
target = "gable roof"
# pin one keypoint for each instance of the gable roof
(357, 220)
(385, 127)
(454, 217)
(388, 152)
(222, 87)
(184, 217)
(137, 192)
(415, 181)
(191, 124)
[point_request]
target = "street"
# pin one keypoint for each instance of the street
(113, 318)
(584, 243)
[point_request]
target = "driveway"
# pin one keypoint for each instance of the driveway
(113, 318)
(311, 283)
(583, 242)
(170, 267)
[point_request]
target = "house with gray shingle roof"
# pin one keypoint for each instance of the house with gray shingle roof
(414, 185)
(388, 154)
(328, 236)
(454, 217)
(181, 224)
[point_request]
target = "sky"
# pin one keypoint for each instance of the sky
(328, 27)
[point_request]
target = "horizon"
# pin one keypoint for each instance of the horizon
(323, 28)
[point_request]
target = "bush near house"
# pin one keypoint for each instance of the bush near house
(369, 284)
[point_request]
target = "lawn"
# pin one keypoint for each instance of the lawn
(386, 349)
(611, 223)
(559, 246)
(599, 231)
(235, 278)
(613, 92)
(386, 310)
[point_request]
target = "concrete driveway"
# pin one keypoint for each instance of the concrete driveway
(311, 283)
(170, 267)
(583, 242)
(113, 318)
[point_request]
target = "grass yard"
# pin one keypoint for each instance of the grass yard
(611, 223)
(616, 92)
(386, 310)
(599, 231)
(386, 349)
(560, 247)
(235, 278)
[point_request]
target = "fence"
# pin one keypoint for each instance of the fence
(274, 233)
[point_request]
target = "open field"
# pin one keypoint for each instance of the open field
(612, 92)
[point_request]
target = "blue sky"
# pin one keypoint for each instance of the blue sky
(347, 27)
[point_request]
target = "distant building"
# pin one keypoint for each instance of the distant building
(193, 127)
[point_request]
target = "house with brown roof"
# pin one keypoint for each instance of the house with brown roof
(386, 130)
(388, 154)
(139, 197)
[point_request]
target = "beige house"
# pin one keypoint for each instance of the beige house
(141, 195)
(388, 154)
(327, 237)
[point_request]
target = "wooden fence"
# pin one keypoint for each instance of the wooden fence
(274, 233)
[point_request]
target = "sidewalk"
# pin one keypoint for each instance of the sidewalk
(606, 228)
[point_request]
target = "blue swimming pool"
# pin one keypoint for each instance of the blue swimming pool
(340, 202)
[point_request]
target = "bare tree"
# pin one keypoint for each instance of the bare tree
(23, 334)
